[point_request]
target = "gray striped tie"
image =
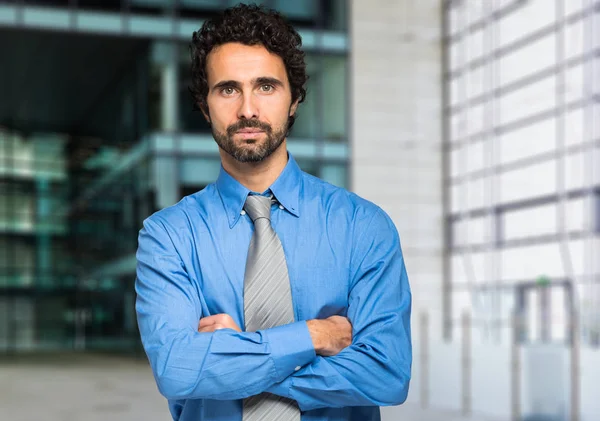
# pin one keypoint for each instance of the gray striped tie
(267, 302)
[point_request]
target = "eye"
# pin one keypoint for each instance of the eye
(266, 88)
(228, 90)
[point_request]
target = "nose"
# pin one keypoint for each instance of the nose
(248, 107)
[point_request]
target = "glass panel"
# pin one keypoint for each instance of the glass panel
(106, 5)
(524, 223)
(574, 120)
(531, 16)
(303, 10)
(471, 231)
(529, 100)
(476, 119)
(198, 171)
(532, 181)
(335, 14)
(334, 98)
(307, 114)
(527, 60)
(456, 19)
(527, 263)
(456, 55)
(334, 174)
(198, 8)
(51, 3)
(574, 82)
(477, 80)
(574, 6)
(309, 166)
(558, 314)
(199, 4)
(475, 45)
(532, 303)
(574, 38)
(527, 141)
(576, 167)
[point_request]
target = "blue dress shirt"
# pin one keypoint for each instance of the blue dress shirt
(344, 258)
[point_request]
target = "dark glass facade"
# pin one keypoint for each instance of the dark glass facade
(97, 131)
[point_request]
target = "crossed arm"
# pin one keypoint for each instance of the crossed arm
(196, 357)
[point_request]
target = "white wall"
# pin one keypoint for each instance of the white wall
(396, 136)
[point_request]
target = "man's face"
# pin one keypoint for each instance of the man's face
(249, 100)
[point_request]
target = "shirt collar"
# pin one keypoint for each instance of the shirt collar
(286, 190)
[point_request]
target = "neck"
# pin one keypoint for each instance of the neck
(256, 176)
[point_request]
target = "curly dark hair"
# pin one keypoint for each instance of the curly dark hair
(248, 25)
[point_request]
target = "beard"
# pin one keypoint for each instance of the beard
(250, 150)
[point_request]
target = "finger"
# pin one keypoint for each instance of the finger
(211, 328)
(208, 320)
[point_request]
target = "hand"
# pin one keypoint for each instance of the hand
(330, 335)
(216, 322)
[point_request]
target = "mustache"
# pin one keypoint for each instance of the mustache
(249, 124)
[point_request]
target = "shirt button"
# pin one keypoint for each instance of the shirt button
(280, 206)
(297, 368)
(243, 212)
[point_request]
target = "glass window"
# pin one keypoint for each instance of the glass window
(468, 158)
(191, 120)
(335, 99)
(527, 141)
(532, 181)
(476, 118)
(529, 222)
(471, 231)
(456, 19)
(574, 121)
(526, 263)
(51, 3)
(539, 55)
(198, 171)
(524, 20)
(574, 6)
(106, 5)
(477, 79)
(475, 45)
(574, 38)
(334, 174)
(301, 10)
(307, 115)
(529, 100)
(308, 165)
(335, 14)
(456, 55)
(574, 86)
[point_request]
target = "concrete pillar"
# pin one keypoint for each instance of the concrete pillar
(396, 138)
(396, 144)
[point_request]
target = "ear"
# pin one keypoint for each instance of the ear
(204, 110)
(293, 108)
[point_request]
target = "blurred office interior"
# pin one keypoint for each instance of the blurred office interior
(473, 123)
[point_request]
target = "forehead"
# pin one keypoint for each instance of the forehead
(234, 61)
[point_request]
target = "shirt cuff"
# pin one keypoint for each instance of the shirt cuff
(291, 348)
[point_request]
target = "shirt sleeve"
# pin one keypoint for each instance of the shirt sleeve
(190, 365)
(375, 369)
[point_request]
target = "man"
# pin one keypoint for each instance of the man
(270, 294)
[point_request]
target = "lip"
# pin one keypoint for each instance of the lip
(249, 131)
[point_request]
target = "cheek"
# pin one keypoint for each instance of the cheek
(276, 110)
(221, 115)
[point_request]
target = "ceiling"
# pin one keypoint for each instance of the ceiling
(55, 81)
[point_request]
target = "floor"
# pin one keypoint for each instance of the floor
(83, 387)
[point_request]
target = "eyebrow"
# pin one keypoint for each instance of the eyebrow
(263, 80)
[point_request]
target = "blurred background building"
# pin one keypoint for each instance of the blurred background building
(473, 123)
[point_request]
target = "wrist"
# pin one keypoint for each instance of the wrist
(315, 334)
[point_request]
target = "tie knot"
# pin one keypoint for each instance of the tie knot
(258, 207)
